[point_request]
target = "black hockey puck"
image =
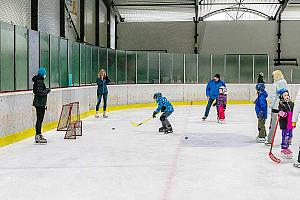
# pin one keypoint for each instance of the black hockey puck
(113, 128)
(186, 138)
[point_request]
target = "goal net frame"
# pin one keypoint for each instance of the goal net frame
(69, 120)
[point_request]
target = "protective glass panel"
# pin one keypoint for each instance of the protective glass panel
(218, 65)
(33, 50)
(54, 61)
(296, 75)
(95, 65)
(204, 69)
(261, 65)
(165, 68)
(131, 67)
(44, 55)
(121, 67)
(88, 64)
(82, 64)
(112, 65)
(75, 64)
(142, 67)
(63, 62)
(154, 67)
(21, 57)
(102, 59)
(191, 66)
(232, 69)
(246, 69)
(178, 71)
(286, 71)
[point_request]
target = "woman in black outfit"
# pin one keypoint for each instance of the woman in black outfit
(39, 102)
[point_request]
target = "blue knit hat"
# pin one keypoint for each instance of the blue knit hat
(42, 71)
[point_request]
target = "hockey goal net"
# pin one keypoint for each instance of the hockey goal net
(69, 120)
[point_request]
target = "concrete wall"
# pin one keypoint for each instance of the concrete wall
(170, 36)
(16, 11)
(17, 114)
(48, 16)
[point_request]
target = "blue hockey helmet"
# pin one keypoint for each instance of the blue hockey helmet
(157, 95)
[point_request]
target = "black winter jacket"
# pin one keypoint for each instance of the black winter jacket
(285, 107)
(40, 91)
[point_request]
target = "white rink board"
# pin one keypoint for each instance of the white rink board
(17, 107)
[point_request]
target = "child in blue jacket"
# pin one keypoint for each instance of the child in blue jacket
(261, 109)
(167, 109)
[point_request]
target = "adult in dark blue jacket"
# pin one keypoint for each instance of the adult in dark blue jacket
(102, 91)
(212, 92)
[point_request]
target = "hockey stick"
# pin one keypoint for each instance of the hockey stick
(143, 122)
(138, 124)
(271, 155)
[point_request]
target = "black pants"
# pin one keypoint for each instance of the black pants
(40, 113)
(104, 101)
(164, 121)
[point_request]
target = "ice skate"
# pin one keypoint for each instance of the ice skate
(267, 143)
(287, 153)
(97, 114)
(168, 130)
(222, 121)
(161, 129)
(297, 164)
(39, 139)
(104, 114)
(204, 118)
(260, 140)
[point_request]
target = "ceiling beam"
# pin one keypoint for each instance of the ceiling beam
(248, 10)
(281, 8)
(153, 4)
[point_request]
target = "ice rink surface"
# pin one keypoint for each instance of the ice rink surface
(217, 161)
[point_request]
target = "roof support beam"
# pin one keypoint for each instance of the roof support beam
(153, 4)
(255, 12)
(283, 4)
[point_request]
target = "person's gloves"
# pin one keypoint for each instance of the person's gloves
(282, 114)
(163, 109)
(294, 124)
(48, 90)
(215, 103)
(154, 114)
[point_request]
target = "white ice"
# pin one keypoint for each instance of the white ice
(217, 161)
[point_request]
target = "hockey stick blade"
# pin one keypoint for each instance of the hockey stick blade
(134, 124)
(274, 158)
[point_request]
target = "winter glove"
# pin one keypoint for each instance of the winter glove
(294, 124)
(48, 90)
(214, 103)
(282, 114)
(163, 109)
(154, 114)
